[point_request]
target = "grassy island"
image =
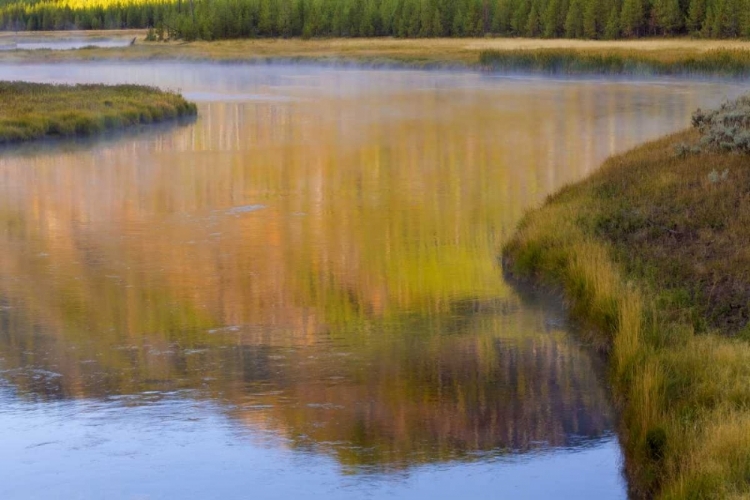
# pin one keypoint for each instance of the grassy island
(31, 111)
(652, 252)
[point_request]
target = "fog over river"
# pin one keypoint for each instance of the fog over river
(298, 295)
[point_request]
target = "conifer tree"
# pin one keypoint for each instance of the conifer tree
(574, 20)
(550, 26)
(716, 19)
(501, 18)
(612, 29)
(632, 18)
(696, 16)
(590, 14)
(668, 16)
(533, 25)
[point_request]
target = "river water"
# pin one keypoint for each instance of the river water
(298, 295)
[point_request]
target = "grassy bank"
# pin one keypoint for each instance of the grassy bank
(722, 62)
(652, 252)
(31, 111)
(649, 56)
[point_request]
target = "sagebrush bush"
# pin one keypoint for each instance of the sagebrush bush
(726, 128)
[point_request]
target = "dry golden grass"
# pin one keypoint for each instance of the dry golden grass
(415, 52)
(614, 242)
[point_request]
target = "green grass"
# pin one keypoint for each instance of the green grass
(30, 111)
(652, 253)
(722, 62)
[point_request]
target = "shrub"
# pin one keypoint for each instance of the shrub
(726, 128)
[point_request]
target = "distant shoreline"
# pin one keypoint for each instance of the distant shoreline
(576, 57)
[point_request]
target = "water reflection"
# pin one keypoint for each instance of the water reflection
(315, 260)
(26, 42)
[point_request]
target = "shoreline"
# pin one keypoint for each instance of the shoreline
(634, 269)
(649, 57)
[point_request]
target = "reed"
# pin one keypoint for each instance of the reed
(651, 251)
(31, 111)
(724, 62)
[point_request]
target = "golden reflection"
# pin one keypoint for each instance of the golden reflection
(322, 266)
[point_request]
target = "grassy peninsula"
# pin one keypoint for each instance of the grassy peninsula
(31, 111)
(652, 252)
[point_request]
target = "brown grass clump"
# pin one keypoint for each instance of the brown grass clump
(34, 111)
(652, 250)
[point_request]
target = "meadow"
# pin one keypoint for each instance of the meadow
(31, 111)
(651, 254)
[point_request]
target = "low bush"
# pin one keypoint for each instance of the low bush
(726, 128)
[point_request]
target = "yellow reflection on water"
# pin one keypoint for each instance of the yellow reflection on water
(307, 262)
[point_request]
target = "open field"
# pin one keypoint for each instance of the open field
(651, 252)
(35, 111)
(640, 57)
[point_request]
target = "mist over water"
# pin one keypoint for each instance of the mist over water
(299, 293)
(31, 42)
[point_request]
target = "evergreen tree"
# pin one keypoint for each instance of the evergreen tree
(519, 17)
(550, 21)
(612, 29)
(590, 15)
(574, 20)
(708, 21)
(533, 25)
(501, 17)
(717, 19)
(632, 18)
(696, 16)
(668, 16)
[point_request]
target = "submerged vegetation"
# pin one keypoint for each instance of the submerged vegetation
(215, 19)
(651, 251)
(34, 111)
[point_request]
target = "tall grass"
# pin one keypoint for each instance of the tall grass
(652, 253)
(618, 62)
(33, 111)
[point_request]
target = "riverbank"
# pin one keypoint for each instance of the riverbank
(561, 56)
(651, 252)
(30, 111)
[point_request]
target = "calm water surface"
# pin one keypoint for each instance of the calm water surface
(30, 42)
(298, 295)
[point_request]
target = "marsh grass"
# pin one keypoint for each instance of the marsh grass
(643, 56)
(654, 255)
(31, 111)
(724, 62)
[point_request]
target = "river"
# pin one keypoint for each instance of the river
(298, 295)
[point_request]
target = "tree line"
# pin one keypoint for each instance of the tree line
(217, 19)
